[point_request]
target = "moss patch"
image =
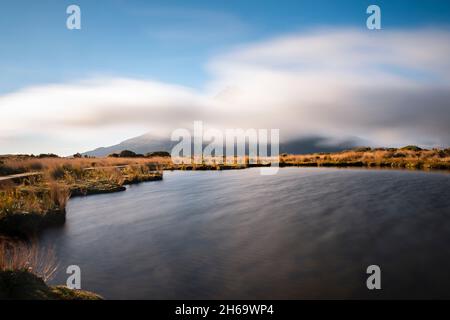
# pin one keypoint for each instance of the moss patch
(64, 293)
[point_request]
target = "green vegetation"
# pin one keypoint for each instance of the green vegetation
(163, 154)
(126, 154)
(412, 148)
(131, 154)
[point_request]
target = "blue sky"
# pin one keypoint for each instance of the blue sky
(309, 67)
(167, 40)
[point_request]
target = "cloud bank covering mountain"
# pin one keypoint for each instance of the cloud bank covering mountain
(147, 143)
(387, 88)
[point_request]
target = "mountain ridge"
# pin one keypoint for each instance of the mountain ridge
(147, 143)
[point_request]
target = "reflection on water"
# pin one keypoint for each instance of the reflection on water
(303, 233)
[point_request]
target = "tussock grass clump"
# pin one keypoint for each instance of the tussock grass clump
(24, 256)
(26, 209)
(13, 201)
(25, 267)
(21, 199)
(58, 195)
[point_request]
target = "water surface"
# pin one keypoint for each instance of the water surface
(303, 233)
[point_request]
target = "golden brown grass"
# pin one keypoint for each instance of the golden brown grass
(60, 177)
(26, 198)
(58, 195)
(21, 164)
(23, 256)
(58, 168)
(424, 159)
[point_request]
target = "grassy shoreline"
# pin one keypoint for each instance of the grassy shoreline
(31, 204)
(409, 157)
(406, 157)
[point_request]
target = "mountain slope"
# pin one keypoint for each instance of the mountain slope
(141, 144)
(147, 143)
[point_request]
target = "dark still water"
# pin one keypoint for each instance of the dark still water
(303, 233)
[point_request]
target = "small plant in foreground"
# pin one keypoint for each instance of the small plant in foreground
(22, 256)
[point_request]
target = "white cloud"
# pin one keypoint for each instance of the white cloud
(389, 88)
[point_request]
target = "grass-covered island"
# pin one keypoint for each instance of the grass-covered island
(34, 191)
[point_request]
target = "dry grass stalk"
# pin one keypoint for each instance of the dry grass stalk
(22, 256)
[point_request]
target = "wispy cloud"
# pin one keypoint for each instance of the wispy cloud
(388, 88)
